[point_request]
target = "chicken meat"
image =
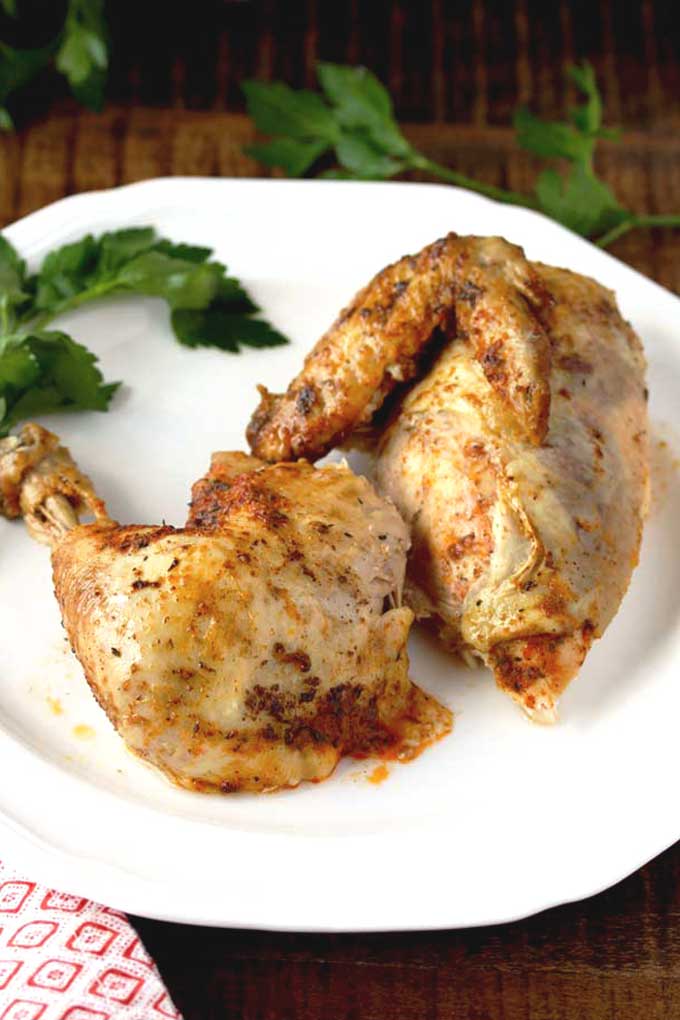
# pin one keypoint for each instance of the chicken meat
(250, 649)
(377, 341)
(518, 461)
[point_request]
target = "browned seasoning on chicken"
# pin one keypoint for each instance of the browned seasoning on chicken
(227, 653)
(485, 284)
(518, 460)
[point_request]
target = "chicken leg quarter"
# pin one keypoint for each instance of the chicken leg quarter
(251, 649)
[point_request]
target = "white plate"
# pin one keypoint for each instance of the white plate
(498, 821)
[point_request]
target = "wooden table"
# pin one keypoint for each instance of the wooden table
(456, 71)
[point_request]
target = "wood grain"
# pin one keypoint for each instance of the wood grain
(456, 72)
(456, 69)
(74, 151)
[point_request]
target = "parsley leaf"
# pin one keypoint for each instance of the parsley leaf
(189, 252)
(358, 154)
(218, 327)
(582, 202)
(65, 274)
(48, 371)
(17, 67)
(13, 287)
(549, 139)
(280, 110)
(356, 120)
(353, 118)
(136, 261)
(588, 117)
(183, 284)
(42, 371)
(80, 52)
(119, 246)
(83, 54)
(362, 101)
(293, 156)
(579, 200)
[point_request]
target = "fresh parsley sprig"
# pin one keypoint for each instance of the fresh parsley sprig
(80, 52)
(44, 370)
(578, 199)
(353, 119)
(40, 370)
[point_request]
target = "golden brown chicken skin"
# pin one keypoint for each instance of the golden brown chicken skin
(251, 649)
(484, 284)
(518, 461)
(521, 554)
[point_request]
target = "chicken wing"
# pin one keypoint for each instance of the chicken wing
(251, 649)
(485, 284)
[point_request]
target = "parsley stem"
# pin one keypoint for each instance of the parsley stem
(419, 162)
(660, 220)
(4, 314)
(100, 290)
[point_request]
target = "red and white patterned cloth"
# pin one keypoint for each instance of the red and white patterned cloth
(66, 958)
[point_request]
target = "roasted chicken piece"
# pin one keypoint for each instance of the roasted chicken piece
(521, 554)
(484, 283)
(251, 649)
(40, 482)
(524, 538)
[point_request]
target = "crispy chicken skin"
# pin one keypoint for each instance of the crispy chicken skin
(485, 284)
(253, 648)
(519, 461)
(521, 554)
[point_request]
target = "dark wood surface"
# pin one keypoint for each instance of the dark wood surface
(616, 956)
(456, 71)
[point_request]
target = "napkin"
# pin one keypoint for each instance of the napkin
(64, 957)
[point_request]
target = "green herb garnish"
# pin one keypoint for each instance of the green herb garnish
(354, 121)
(79, 51)
(43, 370)
(83, 54)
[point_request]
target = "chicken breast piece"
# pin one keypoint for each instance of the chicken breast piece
(485, 284)
(255, 647)
(519, 461)
(520, 553)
